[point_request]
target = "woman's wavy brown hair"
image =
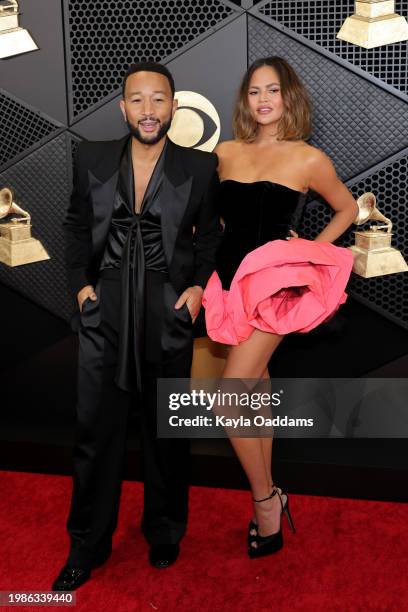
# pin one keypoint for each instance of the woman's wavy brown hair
(295, 123)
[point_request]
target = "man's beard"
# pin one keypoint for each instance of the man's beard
(164, 128)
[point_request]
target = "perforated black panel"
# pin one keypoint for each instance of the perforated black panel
(106, 36)
(320, 21)
(20, 127)
(355, 122)
(42, 185)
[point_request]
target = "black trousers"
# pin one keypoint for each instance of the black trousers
(102, 417)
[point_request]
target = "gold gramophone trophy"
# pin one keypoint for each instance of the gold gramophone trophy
(373, 253)
(374, 24)
(17, 247)
(14, 40)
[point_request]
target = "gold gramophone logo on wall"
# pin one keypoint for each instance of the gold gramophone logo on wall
(17, 247)
(196, 122)
(375, 23)
(13, 39)
(373, 253)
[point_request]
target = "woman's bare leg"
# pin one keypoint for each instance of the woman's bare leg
(267, 454)
(267, 443)
(249, 360)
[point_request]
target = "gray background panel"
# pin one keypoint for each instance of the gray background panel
(39, 77)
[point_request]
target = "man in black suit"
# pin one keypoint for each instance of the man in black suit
(141, 236)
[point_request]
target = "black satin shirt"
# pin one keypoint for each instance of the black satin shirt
(124, 217)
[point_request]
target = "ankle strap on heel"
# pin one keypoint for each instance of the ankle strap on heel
(258, 501)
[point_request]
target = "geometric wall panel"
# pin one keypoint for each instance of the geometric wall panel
(21, 127)
(356, 122)
(39, 77)
(104, 123)
(223, 50)
(42, 185)
(386, 294)
(105, 37)
(319, 21)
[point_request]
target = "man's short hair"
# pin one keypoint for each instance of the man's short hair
(149, 67)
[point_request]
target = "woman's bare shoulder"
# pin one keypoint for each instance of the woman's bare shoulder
(312, 155)
(226, 148)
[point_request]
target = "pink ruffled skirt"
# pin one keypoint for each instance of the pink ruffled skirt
(281, 287)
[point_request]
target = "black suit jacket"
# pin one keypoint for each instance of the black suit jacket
(188, 195)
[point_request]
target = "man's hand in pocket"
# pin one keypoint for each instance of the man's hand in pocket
(86, 292)
(192, 296)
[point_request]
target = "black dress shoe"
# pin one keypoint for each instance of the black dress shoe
(70, 578)
(163, 555)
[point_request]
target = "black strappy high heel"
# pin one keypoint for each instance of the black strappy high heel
(252, 526)
(267, 545)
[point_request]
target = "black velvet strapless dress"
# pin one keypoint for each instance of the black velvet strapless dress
(264, 281)
(254, 213)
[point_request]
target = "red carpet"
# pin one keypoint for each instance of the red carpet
(346, 554)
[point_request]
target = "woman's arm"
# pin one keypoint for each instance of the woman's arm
(220, 153)
(324, 180)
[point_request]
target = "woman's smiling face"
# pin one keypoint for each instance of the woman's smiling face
(264, 96)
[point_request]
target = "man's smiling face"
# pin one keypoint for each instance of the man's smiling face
(148, 106)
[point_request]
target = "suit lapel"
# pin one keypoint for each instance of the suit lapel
(174, 197)
(103, 180)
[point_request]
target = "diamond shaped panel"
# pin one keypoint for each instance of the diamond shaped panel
(20, 127)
